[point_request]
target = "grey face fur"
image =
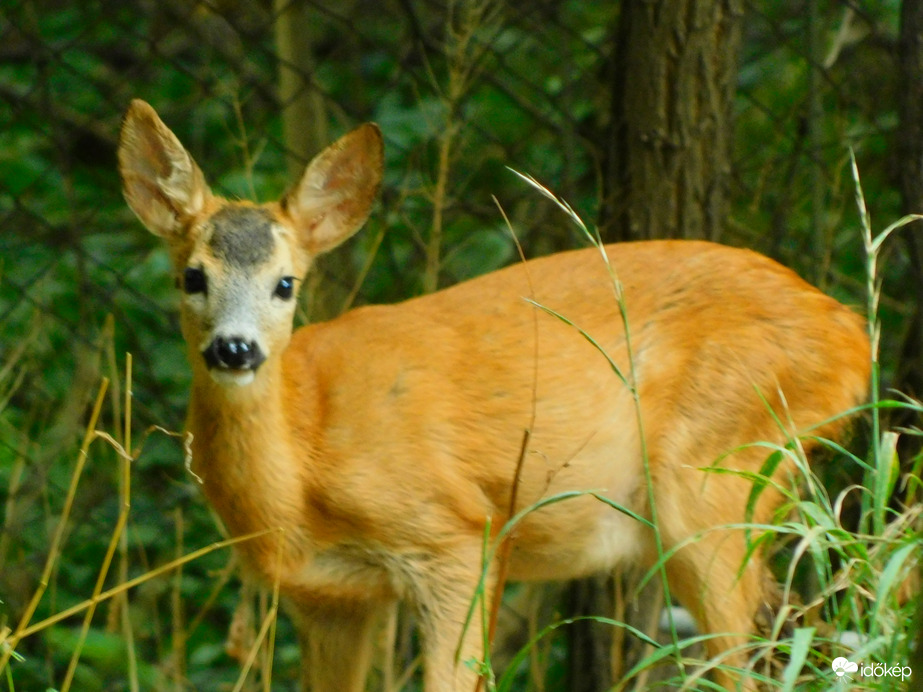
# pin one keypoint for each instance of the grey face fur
(240, 318)
(242, 236)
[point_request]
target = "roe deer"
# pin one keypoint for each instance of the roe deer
(380, 442)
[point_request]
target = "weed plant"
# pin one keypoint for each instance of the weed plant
(849, 562)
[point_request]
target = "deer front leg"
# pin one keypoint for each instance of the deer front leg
(453, 644)
(337, 644)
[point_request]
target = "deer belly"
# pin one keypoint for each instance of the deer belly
(579, 536)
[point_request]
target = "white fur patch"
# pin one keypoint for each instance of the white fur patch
(227, 378)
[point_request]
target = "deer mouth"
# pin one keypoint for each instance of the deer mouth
(226, 378)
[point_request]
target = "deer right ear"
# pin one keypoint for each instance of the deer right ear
(160, 181)
(335, 195)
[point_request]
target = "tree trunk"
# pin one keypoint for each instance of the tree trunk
(670, 122)
(306, 132)
(668, 160)
(909, 148)
(304, 115)
(589, 644)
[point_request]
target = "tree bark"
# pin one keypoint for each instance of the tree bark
(306, 132)
(909, 148)
(304, 115)
(670, 129)
(668, 143)
(589, 644)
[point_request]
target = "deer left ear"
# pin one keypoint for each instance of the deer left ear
(161, 182)
(334, 197)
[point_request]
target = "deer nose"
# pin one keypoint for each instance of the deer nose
(233, 353)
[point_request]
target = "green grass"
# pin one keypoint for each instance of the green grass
(848, 554)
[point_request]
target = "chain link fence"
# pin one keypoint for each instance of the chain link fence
(461, 91)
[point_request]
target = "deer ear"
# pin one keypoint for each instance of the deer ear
(335, 195)
(160, 181)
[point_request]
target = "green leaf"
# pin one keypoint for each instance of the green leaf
(801, 647)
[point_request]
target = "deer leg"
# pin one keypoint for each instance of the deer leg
(453, 629)
(712, 573)
(337, 644)
(706, 577)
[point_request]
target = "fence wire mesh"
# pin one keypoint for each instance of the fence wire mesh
(461, 90)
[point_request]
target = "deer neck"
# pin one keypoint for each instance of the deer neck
(243, 454)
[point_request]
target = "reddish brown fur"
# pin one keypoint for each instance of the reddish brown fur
(381, 442)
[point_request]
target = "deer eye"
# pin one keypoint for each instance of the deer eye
(194, 281)
(285, 288)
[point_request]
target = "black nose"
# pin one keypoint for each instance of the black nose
(233, 353)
